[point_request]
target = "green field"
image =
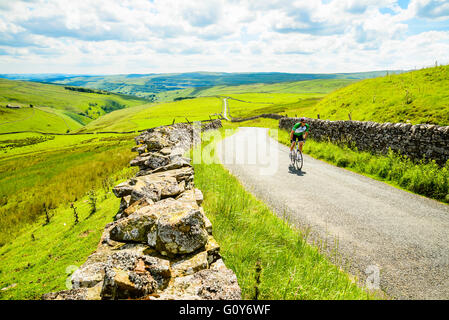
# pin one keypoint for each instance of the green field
(314, 87)
(43, 119)
(156, 114)
(55, 109)
(53, 170)
(420, 96)
(41, 257)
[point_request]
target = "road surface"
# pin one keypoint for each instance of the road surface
(391, 238)
(225, 108)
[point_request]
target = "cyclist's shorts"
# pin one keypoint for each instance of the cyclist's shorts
(297, 138)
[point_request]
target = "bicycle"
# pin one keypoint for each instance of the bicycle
(296, 158)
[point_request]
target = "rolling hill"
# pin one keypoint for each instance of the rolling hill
(153, 115)
(312, 87)
(148, 85)
(42, 119)
(55, 108)
(420, 96)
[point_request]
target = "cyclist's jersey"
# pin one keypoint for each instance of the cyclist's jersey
(299, 130)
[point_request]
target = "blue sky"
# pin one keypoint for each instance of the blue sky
(141, 36)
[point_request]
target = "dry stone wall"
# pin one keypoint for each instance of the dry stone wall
(263, 115)
(414, 141)
(160, 246)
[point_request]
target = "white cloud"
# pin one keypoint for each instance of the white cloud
(430, 8)
(140, 36)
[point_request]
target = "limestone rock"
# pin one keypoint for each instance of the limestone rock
(198, 196)
(208, 284)
(165, 151)
(140, 148)
(213, 250)
(190, 264)
(123, 190)
(106, 243)
(91, 272)
(180, 233)
(192, 195)
(150, 161)
(156, 186)
(178, 163)
(136, 206)
(93, 293)
(120, 284)
(156, 143)
(124, 203)
(136, 228)
(141, 226)
(207, 223)
(130, 273)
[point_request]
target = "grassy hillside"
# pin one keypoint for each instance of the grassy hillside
(43, 119)
(42, 257)
(420, 96)
(285, 98)
(153, 115)
(55, 170)
(318, 87)
(59, 108)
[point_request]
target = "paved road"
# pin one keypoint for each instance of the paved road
(377, 227)
(225, 108)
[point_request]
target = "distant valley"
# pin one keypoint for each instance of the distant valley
(150, 85)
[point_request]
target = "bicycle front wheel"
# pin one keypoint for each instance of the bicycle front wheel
(292, 158)
(299, 160)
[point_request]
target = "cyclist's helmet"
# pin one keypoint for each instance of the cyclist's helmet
(303, 119)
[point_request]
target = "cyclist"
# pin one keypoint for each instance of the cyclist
(299, 133)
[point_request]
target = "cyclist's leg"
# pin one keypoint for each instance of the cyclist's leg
(301, 143)
(293, 144)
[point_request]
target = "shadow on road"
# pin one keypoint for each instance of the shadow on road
(292, 170)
